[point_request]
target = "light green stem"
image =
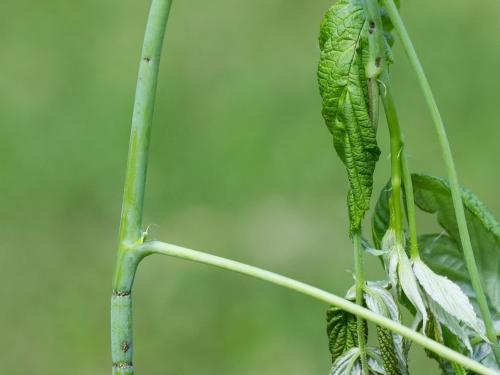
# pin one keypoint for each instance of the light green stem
(376, 57)
(133, 196)
(396, 146)
(452, 173)
(393, 122)
(360, 283)
(181, 252)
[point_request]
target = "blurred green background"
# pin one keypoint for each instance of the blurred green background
(241, 165)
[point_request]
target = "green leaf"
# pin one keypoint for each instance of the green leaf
(380, 218)
(443, 253)
(344, 89)
(341, 331)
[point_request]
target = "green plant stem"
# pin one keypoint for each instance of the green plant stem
(393, 122)
(156, 247)
(133, 196)
(376, 57)
(360, 283)
(452, 173)
(396, 146)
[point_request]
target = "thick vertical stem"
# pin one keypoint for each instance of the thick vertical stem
(133, 196)
(452, 173)
(360, 282)
(395, 130)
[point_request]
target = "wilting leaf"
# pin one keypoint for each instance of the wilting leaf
(344, 89)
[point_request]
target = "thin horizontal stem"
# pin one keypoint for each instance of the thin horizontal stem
(157, 247)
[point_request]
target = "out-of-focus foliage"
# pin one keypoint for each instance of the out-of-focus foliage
(241, 165)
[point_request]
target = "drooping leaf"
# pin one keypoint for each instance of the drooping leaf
(446, 294)
(409, 284)
(342, 331)
(432, 194)
(344, 89)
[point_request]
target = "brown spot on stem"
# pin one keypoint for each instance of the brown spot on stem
(121, 293)
(378, 60)
(122, 365)
(147, 59)
(125, 346)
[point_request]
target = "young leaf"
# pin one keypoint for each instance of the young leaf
(341, 331)
(409, 284)
(432, 194)
(375, 361)
(349, 363)
(446, 294)
(392, 346)
(344, 89)
(483, 354)
(345, 363)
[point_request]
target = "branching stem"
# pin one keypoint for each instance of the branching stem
(181, 252)
(133, 196)
(452, 173)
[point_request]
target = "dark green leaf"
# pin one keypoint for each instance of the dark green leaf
(380, 219)
(341, 331)
(389, 356)
(344, 89)
(443, 252)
